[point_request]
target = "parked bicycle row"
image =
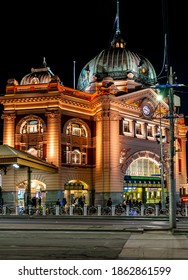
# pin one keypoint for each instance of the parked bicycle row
(118, 210)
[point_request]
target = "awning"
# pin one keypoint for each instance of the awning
(10, 156)
(142, 181)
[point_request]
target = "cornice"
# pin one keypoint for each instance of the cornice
(81, 102)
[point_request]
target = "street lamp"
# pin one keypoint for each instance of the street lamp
(172, 188)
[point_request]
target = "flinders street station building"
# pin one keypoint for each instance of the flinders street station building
(108, 137)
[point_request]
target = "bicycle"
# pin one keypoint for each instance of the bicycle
(180, 211)
(50, 210)
(119, 210)
(64, 210)
(106, 211)
(92, 211)
(134, 211)
(164, 212)
(22, 210)
(78, 210)
(149, 211)
(7, 210)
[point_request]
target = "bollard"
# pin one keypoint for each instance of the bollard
(44, 210)
(4, 209)
(156, 210)
(17, 210)
(30, 210)
(71, 210)
(85, 209)
(142, 210)
(186, 210)
(113, 210)
(57, 210)
(127, 210)
(99, 210)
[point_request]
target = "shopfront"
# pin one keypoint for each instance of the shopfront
(144, 189)
(74, 191)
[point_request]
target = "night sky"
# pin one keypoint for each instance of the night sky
(67, 31)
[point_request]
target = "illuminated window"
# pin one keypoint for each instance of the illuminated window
(31, 126)
(126, 126)
(75, 156)
(138, 129)
(76, 130)
(143, 167)
(149, 131)
(76, 152)
(29, 129)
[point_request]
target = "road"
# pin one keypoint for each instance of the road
(90, 239)
(89, 223)
(36, 245)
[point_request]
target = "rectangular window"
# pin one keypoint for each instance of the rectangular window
(126, 126)
(75, 158)
(83, 158)
(149, 131)
(179, 165)
(138, 129)
(76, 131)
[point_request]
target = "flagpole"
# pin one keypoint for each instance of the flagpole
(74, 86)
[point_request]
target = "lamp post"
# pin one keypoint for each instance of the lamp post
(29, 186)
(172, 193)
(172, 188)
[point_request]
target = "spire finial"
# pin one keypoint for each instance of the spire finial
(117, 19)
(44, 62)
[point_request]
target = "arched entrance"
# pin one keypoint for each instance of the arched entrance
(74, 190)
(38, 190)
(142, 180)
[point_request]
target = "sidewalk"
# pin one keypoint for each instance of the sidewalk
(155, 245)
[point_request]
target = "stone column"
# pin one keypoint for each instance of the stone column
(107, 176)
(54, 137)
(9, 129)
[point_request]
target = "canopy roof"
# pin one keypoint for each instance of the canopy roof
(10, 156)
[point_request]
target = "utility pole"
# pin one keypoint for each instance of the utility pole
(172, 186)
(159, 136)
(161, 162)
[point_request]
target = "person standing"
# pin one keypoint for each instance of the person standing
(39, 201)
(58, 202)
(109, 202)
(34, 202)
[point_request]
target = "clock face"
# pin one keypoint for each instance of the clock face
(146, 110)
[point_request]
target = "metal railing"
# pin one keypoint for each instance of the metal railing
(75, 210)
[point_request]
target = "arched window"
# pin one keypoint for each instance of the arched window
(31, 126)
(31, 135)
(143, 167)
(76, 129)
(76, 142)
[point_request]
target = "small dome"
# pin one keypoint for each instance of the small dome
(38, 76)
